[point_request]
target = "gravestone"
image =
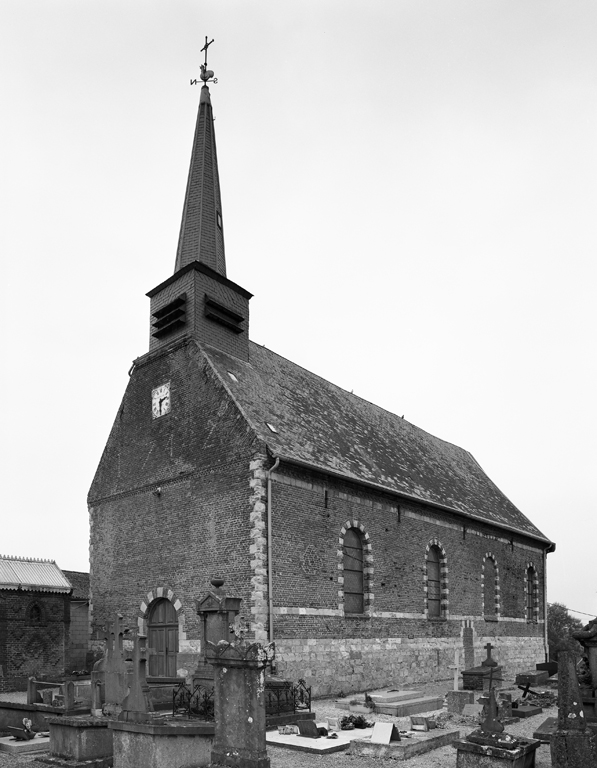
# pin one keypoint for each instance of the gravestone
(384, 733)
(572, 745)
(456, 668)
(457, 701)
(115, 672)
(239, 684)
(490, 746)
(308, 729)
(218, 612)
(587, 676)
(483, 677)
(136, 705)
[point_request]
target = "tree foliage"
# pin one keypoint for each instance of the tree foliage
(560, 625)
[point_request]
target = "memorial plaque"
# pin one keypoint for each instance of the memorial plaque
(384, 733)
(308, 729)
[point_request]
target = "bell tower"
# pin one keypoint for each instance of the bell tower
(198, 299)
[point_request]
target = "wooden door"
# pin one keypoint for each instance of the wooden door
(162, 639)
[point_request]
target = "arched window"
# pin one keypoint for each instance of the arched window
(162, 626)
(434, 584)
(532, 597)
(35, 615)
(352, 551)
(490, 600)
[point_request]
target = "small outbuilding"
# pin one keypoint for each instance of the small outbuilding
(34, 620)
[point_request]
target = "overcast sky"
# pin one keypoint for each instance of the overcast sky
(409, 189)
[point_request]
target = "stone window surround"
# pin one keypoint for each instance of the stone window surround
(367, 570)
(494, 615)
(443, 575)
(535, 617)
(161, 593)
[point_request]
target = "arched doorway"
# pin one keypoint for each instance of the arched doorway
(162, 626)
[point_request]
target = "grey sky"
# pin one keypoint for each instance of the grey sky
(409, 190)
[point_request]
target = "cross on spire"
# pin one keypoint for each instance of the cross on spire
(207, 75)
(205, 47)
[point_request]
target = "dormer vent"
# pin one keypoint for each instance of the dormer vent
(223, 315)
(170, 318)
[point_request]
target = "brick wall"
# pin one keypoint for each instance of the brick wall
(32, 642)
(197, 525)
(179, 499)
(394, 641)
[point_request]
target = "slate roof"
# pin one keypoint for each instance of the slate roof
(30, 574)
(80, 582)
(327, 428)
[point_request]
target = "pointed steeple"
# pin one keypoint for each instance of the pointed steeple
(198, 301)
(201, 231)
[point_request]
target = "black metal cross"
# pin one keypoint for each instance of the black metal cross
(526, 689)
(205, 47)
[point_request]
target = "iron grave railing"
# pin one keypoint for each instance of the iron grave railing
(284, 696)
(197, 702)
(281, 697)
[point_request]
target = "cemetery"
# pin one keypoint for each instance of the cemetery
(236, 713)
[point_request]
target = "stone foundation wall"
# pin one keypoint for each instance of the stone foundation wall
(332, 666)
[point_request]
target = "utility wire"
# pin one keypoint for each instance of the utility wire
(571, 610)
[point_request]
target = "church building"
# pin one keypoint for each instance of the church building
(366, 548)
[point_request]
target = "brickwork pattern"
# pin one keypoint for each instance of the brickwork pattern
(179, 499)
(172, 500)
(33, 636)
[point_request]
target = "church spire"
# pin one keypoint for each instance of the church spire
(201, 230)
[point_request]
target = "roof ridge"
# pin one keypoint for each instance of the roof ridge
(27, 559)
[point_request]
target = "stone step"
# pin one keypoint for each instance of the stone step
(411, 706)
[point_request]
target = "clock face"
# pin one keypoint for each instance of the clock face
(160, 400)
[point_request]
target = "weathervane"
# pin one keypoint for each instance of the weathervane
(207, 75)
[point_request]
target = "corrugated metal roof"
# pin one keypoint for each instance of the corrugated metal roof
(31, 574)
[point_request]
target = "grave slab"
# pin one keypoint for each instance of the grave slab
(13, 747)
(532, 677)
(418, 743)
(320, 746)
(526, 710)
(380, 697)
(411, 706)
(545, 730)
(470, 755)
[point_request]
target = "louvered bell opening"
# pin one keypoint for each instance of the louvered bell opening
(223, 315)
(170, 318)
